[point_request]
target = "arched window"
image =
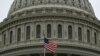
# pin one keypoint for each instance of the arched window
(49, 31)
(95, 38)
(28, 33)
(88, 36)
(18, 34)
(4, 42)
(59, 31)
(38, 31)
(70, 32)
(11, 35)
(79, 34)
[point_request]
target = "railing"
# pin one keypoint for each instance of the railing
(62, 42)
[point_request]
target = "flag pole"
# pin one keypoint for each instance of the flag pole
(44, 51)
(44, 43)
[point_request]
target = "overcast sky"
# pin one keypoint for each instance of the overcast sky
(5, 6)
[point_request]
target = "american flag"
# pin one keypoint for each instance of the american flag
(50, 45)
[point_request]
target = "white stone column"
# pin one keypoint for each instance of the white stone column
(7, 37)
(33, 31)
(46, 23)
(14, 35)
(1, 39)
(43, 31)
(75, 32)
(85, 34)
(98, 38)
(54, 30)
(92, 36)
(65, 30)
(23, 33)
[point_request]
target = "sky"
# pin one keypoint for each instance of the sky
(5, 6)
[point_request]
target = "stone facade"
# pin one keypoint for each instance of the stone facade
(78, 14)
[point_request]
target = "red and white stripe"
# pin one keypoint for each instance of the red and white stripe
(51, 46)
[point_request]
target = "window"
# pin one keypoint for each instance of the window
(59, 31)
(4, 39)
(49, 31)
(95, 38)
(38, 31)
(18, 34)
(88, 36)
(69, 32)
(28, 33)
(79, 34)
(11, 35)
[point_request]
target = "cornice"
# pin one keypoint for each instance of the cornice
(32, 44)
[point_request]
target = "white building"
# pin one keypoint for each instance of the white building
(72, 24)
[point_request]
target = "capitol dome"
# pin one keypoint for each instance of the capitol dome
(72, 24)
(80, 5)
